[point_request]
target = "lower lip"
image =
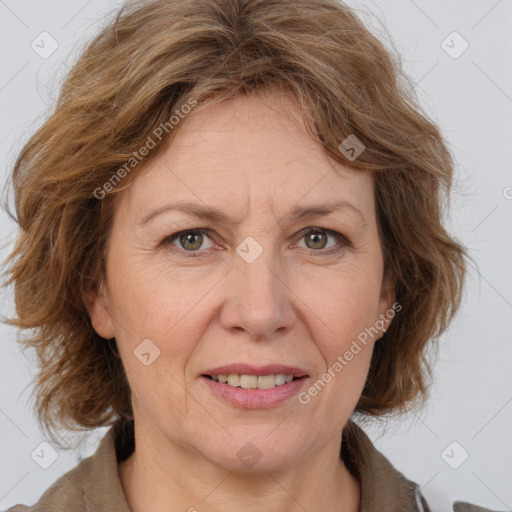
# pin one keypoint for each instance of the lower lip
(255, 398)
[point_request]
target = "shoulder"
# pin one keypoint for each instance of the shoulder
(384, 487)
(92, 485)
(463, 506)
(458, 506)
(65, 494)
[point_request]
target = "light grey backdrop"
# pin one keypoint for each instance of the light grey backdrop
(458, 55)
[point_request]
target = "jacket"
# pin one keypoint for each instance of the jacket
(94, 485)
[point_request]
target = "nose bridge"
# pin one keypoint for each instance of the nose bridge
(258, 300)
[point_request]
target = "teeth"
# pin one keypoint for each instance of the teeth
(266, 381)
(253, 381)
(248, 381)
(234, 380)
(280, 379)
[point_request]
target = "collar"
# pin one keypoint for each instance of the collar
(383, 488)
(102, 489)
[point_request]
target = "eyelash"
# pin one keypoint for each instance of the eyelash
(320, 252)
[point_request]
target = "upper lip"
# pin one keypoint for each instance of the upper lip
(248, 369)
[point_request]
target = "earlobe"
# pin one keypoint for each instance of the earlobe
(97, 306)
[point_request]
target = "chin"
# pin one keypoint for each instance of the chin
(253, 453)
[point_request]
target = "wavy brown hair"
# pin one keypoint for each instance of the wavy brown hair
(147, 62)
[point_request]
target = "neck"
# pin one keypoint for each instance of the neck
(167, 476)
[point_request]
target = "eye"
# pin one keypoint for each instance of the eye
(190, 240)
(316, 240)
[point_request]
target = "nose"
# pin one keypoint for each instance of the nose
(258, 300)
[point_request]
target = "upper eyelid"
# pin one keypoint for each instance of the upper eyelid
(311, 229)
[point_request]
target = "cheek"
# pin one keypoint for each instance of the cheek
(145, 299)
(340, 306)
(157, 313)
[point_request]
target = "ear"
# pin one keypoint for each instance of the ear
(387, 302)
(96, 303)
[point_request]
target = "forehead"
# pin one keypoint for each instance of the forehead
(248, 153)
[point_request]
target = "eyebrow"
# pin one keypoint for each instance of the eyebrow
(215, 215)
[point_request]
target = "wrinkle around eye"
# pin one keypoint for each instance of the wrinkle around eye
(171, 242)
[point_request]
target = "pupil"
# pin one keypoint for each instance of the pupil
(313, 236)
(189, 237)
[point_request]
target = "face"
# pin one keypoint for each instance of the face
(268, 281)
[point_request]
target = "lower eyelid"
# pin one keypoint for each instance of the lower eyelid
(206, 232)
(343, 241)
(172, 238)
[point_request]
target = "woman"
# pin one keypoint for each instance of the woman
(238, 211)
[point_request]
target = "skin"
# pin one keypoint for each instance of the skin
(296, 304)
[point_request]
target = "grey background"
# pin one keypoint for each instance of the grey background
(471, 98)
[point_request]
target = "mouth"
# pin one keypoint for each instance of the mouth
(247, 381)
(247, 386)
